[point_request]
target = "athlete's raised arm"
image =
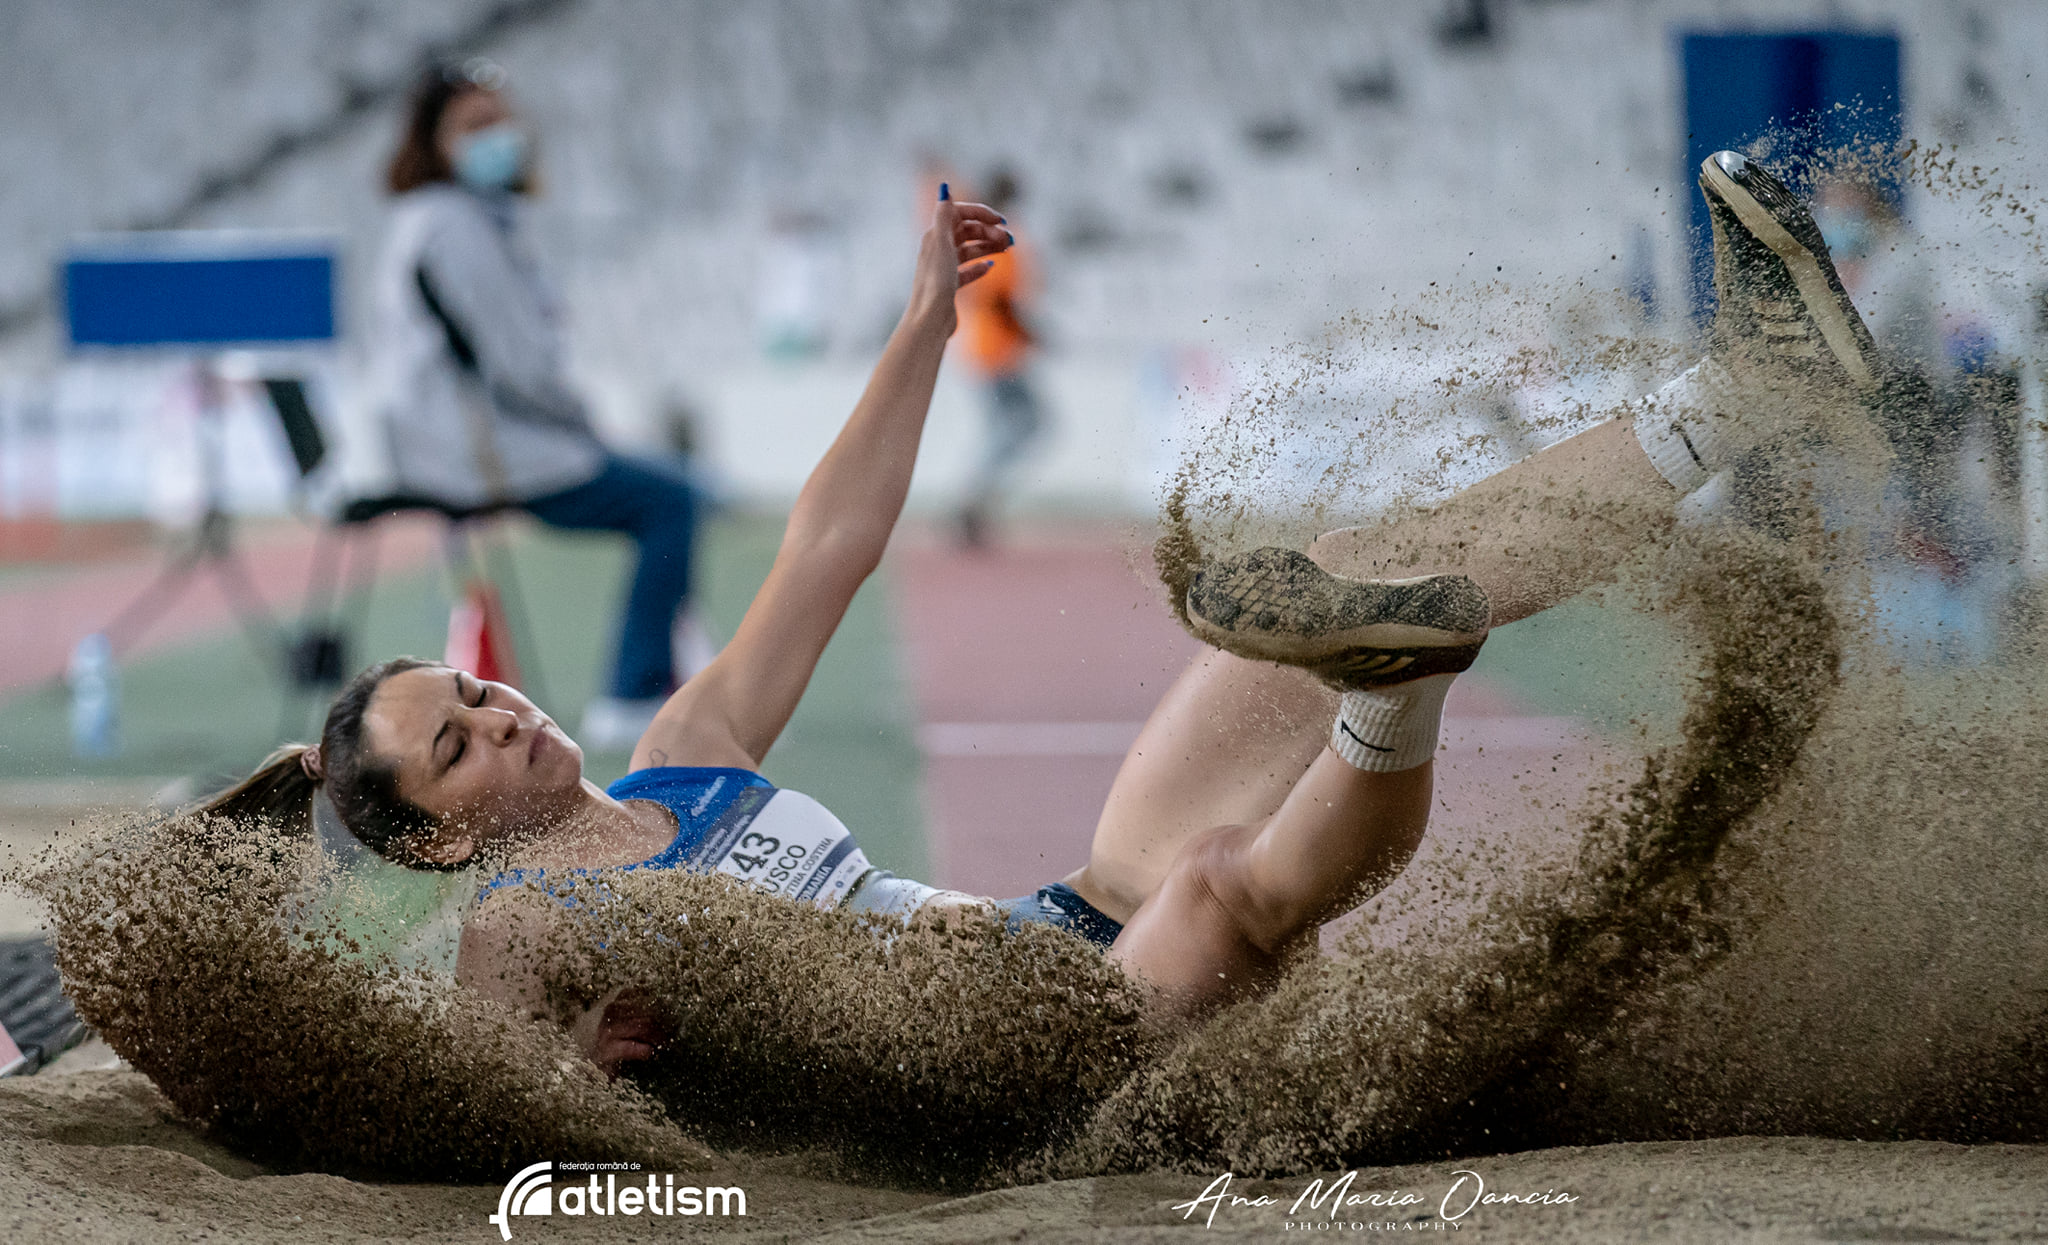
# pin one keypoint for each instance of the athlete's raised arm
(732, 711)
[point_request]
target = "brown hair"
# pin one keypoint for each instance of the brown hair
(418, 160)
(362, 786)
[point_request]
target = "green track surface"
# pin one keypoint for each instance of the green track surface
(1604, 658)
(211, 709)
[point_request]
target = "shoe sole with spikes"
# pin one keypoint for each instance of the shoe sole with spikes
(1277, 605)
(1781, 300)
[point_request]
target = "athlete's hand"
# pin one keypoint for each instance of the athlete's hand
(627, 1030)
(954, 254)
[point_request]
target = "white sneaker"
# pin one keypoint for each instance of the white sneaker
(614, 725)
(691, 643)
(1781, 300)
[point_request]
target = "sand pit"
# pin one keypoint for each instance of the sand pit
(96, 1157)
(1778, 850)
(99, 1156)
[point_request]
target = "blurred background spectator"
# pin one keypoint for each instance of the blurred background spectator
(470, 380)
(998, 343)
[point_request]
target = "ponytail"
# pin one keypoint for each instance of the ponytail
(362, 787)
(281, 792)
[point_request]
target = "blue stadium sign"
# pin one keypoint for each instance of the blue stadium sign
(1810, 91)
(199, 289)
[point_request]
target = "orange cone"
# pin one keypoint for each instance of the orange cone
(11, 1057)
(479, 638)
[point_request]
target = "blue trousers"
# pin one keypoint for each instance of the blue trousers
(1015, 421)
(655, 504)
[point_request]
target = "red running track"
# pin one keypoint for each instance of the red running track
(43, 619)
(1032, 665)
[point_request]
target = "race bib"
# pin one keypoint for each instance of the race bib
(785, 843)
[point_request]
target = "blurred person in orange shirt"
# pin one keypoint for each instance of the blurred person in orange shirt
(997, 338)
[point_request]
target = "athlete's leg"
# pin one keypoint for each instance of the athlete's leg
(1224, 745)
(1227, 741)
(1785, 332)
(1533, 535)
(1232, 736)
(1238, 898)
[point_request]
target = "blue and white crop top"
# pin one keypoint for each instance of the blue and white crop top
(735, 822)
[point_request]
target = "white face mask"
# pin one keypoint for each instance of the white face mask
(491, 158)
(1849, 232)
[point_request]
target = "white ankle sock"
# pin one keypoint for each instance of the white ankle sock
(1696, 426)
(1385, 729)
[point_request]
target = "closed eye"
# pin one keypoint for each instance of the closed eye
(483, 693)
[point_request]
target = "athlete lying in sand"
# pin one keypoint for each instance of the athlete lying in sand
(1221, 847)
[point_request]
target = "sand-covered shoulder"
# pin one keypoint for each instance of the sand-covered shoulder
(98, 1157)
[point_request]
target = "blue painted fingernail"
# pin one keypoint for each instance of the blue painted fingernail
(945, 192)
(1002, 220)
(1011, 236)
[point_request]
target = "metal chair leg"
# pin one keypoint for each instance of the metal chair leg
(498, 557)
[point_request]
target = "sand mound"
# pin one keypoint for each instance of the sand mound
(177, 943)
(102, 1157)
(940, 1054)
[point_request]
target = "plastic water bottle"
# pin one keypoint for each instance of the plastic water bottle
(95, 697)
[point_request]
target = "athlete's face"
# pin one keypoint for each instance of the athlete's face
(479, 756)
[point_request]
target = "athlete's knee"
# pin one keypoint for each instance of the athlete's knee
(1216, 865)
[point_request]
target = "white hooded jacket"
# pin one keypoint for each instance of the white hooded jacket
(466, 364)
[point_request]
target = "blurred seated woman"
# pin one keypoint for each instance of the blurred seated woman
(472, 381)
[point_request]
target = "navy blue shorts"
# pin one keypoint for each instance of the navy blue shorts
(1061, 906)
